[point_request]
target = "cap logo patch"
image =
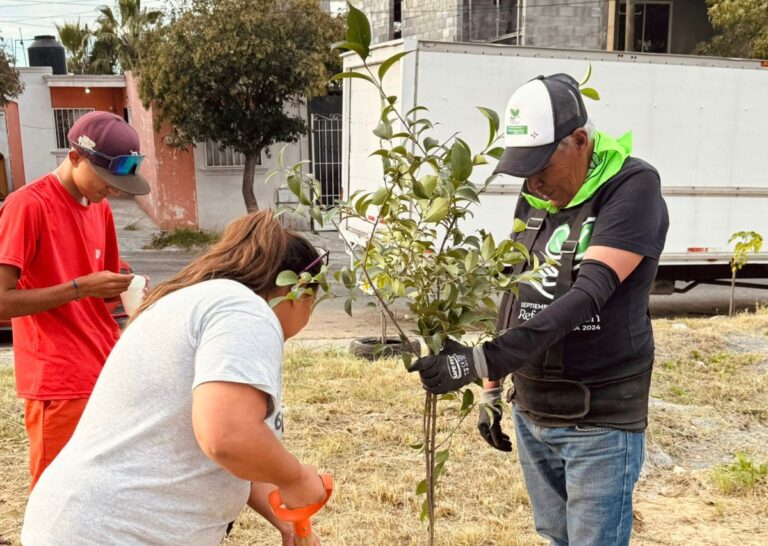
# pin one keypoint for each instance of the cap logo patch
(86, 143)
(517, 129)
(514, 114)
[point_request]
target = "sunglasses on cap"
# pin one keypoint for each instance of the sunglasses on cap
(321, 259)
(121, 165)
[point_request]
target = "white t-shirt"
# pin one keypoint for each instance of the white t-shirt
(133, 473)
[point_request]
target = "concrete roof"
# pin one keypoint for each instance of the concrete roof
(84, 80)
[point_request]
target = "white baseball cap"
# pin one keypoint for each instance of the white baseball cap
(538, 116)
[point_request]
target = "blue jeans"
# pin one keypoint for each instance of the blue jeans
(580, 481)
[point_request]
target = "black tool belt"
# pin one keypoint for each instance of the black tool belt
(620, 401)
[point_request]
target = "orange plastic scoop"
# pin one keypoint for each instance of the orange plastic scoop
(300, 517)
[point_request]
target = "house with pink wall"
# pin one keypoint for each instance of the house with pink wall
(198, 187)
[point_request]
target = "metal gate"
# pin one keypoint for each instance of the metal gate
(326, 155)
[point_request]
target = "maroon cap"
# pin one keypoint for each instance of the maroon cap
(111, 136)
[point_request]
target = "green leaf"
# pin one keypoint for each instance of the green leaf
(358, 75)
(407, 360)
(304, 199)
(488, 247)
(271, 174)
(470, 317)
(348, 306)
(590, 93)
(435, 343)
(316, 215)
(383, 131)
(430, 143)
(386, 65)
(587, 75)
(416, 109)
(416, 446)
(438, 210)
(294, 184)
(385, 111)
(421, 489)
(430, 183)
(468, 193)
(358, 29)
(347, 278)
(361, 206)
(425, 122)
(282, 209)
(287, 278)
(518, 226)
(281, 157)
(461, 161)
(351, 46)
(470, 262)
(380, 197)
(441, 456)
(496, 152)
(424, 510)
(419, 190)
(274, 302)
(493, 123)
(468, 399)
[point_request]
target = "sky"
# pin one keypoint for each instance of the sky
(25, 19)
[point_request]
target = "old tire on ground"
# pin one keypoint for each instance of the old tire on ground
(365, 347)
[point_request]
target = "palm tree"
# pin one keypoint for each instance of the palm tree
(75, 39)
(118, 33)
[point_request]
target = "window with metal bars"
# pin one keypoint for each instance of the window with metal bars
(63, 120)
(217, 155)
(326, 155)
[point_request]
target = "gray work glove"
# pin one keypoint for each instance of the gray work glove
(489, 422)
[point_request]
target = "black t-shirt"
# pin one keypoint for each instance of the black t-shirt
(628, 213)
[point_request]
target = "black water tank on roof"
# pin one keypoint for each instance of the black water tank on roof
(47, 51)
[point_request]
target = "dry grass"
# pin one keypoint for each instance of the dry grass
(13, 458)
(356, 420)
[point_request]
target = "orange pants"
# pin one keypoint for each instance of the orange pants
(50, 424)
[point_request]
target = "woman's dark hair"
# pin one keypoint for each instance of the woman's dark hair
(253, 250)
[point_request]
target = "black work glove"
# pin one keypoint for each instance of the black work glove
(489, 422)
(450, 370)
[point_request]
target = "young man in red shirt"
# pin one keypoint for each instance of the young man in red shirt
(59, 259)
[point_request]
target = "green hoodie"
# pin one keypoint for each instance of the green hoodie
(607, 159)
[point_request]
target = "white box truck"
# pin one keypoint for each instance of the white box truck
(701, 121)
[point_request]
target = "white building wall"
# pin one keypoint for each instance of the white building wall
(219, 193)
(36, 119)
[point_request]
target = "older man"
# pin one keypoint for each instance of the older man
(578, 341)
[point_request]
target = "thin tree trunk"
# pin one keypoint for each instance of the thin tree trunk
(430, 443)
(384, 328)
(733, 292)
(251, 158)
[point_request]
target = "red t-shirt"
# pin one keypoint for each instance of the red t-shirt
(52, 239)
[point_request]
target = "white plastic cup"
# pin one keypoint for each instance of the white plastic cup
(133, 297)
